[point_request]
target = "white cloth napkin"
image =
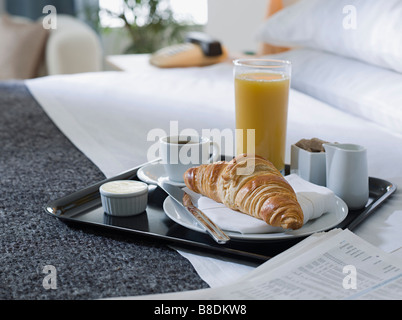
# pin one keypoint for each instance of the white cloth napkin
(314, 200)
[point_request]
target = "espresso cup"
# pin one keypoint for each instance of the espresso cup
(180, 153)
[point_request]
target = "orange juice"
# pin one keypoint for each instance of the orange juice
(262, 104)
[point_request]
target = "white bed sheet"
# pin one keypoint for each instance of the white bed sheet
(108, 116)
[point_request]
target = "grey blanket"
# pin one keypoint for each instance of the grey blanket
(43, 258)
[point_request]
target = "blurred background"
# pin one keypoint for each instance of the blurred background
(140, 26)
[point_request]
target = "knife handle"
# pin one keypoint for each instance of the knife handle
(216, 233)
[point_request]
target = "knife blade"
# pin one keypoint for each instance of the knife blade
(178, 195)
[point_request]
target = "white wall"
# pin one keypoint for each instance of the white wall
(234, 22)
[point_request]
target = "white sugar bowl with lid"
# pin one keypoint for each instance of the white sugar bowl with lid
(124, 197)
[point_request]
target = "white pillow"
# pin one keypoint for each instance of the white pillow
(368, 30)
(362, 89)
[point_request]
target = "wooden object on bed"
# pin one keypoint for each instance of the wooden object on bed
(265, 48)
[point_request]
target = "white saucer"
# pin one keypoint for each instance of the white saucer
(325, 222)
(152, 172)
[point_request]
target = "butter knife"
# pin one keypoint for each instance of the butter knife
(184, 200)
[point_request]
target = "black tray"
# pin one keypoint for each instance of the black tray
(84, 208)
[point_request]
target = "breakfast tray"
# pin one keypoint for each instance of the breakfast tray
(83, 208)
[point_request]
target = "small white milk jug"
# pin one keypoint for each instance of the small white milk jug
(347, 173)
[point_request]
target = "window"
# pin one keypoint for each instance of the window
(195, 10)
(184, 10)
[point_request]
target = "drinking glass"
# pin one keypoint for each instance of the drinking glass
(261, 98)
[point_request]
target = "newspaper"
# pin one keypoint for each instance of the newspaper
(331, 265)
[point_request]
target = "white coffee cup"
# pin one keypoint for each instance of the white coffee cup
(180, 153)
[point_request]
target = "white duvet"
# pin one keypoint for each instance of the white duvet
(108, 116)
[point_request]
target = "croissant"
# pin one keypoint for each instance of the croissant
(263, 193)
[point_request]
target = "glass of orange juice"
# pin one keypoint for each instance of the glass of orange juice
(261, 97)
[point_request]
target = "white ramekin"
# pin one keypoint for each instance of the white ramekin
(124, 197)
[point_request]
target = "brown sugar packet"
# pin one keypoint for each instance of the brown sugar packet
(311, 145)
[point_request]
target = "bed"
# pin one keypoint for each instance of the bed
(62, 133)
